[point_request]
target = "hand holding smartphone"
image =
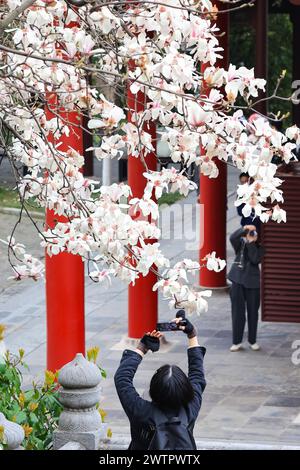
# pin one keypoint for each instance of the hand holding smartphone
(168, 326)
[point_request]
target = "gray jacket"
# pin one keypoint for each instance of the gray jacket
(245, 269)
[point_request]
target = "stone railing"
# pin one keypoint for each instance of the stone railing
(80, 425)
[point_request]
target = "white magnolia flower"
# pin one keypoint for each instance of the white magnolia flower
(213, 263)
(278, 214)
(153, 49)
(293, 133)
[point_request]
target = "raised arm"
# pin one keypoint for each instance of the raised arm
(235, 239)
(196, 355)
(133, 404)
(196, 374)
(131, 401)
(255, 252)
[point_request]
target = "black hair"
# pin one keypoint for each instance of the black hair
(277, 124)
(171, 388)
(244, 174)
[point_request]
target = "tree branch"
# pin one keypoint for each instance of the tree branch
(14, 14)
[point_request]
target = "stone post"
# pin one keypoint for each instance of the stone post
(13, 433)
(80, 391)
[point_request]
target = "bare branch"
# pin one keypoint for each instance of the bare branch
(14, 14)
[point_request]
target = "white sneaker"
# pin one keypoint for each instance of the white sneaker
(255, 347)
(236, 347)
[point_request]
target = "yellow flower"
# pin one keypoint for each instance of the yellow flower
(109, 433)
(33, 406)
(22, 400)
(27, 429)
(49, 377)
(92, 353)
(102, 413)
(2, 329)
(1, 433)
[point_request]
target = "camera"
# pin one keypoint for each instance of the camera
(251, 233)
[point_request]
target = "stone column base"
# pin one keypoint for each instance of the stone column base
(89, 440)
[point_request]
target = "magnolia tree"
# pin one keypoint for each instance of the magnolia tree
(165, 51)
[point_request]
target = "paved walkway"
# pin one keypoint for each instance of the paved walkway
(251, 397)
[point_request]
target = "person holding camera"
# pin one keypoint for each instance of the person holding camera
(167, 421)
(245, 289)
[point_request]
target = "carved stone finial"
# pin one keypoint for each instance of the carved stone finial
(79, 394)
(13, 433)
(79, 373)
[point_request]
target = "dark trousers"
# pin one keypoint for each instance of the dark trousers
(242, 298)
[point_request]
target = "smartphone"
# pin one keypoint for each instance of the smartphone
(167, 326)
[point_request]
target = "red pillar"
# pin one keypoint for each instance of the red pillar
(65, 284)
(64, 272)
(142, 301)
(213, 195)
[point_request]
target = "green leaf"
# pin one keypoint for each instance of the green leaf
(33, 418)
(15, 408)
(29, 394)
(21, 417)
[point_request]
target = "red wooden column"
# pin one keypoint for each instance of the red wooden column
(65, 284)
(213, 195)
(65, 271)
(142, 301)
(64, 279)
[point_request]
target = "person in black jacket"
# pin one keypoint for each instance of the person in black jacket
(245, 289)
(171, 391)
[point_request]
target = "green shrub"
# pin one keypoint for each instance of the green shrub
(37, 410)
